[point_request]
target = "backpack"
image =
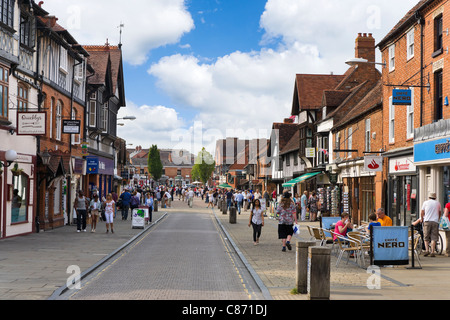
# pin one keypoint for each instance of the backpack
(134, 202)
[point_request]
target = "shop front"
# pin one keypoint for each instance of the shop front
(432, 159)
(358, 190)
(100, 173)
(403, 190)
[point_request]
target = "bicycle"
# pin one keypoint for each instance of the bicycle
(439, 245)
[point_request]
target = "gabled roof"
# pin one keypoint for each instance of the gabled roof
(107, 63)
(404, 23)
(371, 101)
(333, 98)
(309, 89)
(293, 144)
(286, 131)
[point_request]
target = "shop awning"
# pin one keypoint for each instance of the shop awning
(300, 179)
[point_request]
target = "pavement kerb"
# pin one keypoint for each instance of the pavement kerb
(59, 292)
(265, 292)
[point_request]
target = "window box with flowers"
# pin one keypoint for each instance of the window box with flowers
(16, 171)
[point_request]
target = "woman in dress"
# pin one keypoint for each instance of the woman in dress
(313, 206)
(287, 216)
(257, 221)
(109, 213)
(95, 209)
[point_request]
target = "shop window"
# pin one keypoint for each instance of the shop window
(19, 198)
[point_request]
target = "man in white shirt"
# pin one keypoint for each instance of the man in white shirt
(191, 197)
(431, 214)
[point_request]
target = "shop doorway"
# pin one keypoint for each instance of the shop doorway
(404, 196)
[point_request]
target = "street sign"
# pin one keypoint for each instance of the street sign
(310, 152)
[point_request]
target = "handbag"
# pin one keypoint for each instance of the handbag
(444, 224)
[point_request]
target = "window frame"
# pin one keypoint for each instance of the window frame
(391, 50)
(410, 117)
(438, 34)
(4, 92)
(7, 13)
(410, 44)
(391, 121)
(22, 97)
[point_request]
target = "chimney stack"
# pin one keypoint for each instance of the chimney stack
(365, 47)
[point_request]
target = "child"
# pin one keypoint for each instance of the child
(373, 222)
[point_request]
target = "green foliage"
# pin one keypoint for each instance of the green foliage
(155, 167)
(204, 166)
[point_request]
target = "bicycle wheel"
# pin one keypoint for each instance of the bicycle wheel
(420, 245)
(439, 245)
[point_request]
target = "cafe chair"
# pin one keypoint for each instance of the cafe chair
(327, 239)
(360, 244)
(311, 233)
(348, 246)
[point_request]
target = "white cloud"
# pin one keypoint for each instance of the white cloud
(148, 24)
(153, 125)
(251, 90)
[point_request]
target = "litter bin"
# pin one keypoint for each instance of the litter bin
(233, 215)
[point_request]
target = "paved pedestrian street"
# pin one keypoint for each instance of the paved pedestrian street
(35, 267)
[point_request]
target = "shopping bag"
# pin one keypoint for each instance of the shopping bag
(296, 229)
(444, 224)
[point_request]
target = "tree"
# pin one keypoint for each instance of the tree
(204, 166)
(155, 167)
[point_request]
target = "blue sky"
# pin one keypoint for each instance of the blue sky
(201, 70)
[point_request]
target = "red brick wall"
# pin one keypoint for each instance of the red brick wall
(50, 142)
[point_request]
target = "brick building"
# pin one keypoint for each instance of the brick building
(415, 53)
(62, 67)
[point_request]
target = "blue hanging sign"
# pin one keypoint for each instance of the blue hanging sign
(91, 165)
(401, 97)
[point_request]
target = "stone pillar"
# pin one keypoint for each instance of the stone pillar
(319, 273)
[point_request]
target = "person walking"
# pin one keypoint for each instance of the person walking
(303, 205)
(126, 198)
(257, 221)
(149, 204)
(287, 216)
(95, 207)
(431, 214)
(313, 207)
(109, 213)
(210, 198)
(239, 198)
(81, 204)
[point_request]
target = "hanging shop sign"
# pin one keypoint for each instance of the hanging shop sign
(71, 126)
(401, 97)
(31, 123)
(402, 165)
(373, 164)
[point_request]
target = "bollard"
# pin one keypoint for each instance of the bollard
(155, 205)
(302, 265)
(224, 207)
(233, 215)
(319, 273)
